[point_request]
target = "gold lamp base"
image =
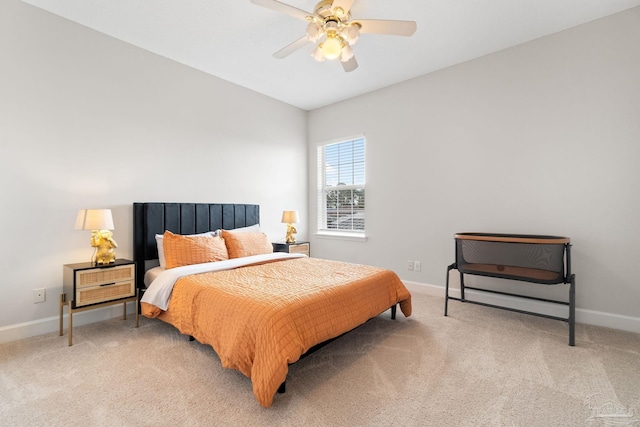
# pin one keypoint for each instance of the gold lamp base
(105, 246)
(291, 231)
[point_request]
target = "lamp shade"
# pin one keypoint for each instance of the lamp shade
(314, 32)
(94, 219)
(347, 53)
(289, 217)
(317, 54)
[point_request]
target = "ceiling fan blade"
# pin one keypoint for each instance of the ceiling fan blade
(283, 8)
(350, 65)
(380, 26)
(343, 4)
(289, 49)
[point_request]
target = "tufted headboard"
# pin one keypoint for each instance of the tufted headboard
(154, 218)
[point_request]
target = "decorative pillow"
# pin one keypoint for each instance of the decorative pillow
(159, 240)
(246, 244)
(186, 250)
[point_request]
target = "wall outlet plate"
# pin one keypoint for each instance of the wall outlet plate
(39, 295)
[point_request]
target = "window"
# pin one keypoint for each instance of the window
(341, 184)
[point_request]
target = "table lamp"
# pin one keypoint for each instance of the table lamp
(99, 221)
(290, 218)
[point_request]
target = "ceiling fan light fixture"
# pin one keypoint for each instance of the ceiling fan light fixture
(317, 54)
(314, 32)
(347, 53)
(331, 47)
(351, 33)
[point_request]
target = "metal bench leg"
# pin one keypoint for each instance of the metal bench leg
(572, 310)
(446, 293)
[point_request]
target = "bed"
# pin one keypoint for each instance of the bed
(259, 310)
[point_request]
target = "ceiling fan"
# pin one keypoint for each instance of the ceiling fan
(331, 27)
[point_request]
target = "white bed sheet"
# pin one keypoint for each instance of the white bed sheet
(151, 275)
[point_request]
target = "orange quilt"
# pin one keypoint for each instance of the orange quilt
(261, 318)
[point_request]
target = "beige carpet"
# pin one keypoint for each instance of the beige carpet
(477, 367)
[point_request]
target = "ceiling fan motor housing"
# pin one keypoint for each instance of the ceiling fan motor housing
(325, 10)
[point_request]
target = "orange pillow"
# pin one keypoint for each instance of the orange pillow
(246, 244)
(186, 250)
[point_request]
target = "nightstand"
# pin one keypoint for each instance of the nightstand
(293, 248)
(92, 286)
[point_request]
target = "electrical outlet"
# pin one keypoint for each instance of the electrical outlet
(417, 265)
(39, 295)
(410, 265)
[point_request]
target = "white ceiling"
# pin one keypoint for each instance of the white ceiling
(235, 39)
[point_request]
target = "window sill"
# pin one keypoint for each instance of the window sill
(341, 236)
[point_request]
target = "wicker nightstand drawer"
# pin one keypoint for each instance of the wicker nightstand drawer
(102, 276)
(102, 293)
(302, 248)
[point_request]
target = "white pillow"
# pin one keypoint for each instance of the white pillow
(160, 244)
(250, 229)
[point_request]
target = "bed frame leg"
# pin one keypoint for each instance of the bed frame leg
(283, 387)
(393, 311)
(191, 338)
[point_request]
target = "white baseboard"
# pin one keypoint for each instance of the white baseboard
(589, 317)
(52, 324)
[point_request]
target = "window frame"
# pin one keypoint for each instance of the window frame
(322, 230)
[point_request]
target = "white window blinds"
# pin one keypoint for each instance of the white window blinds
(341, 186)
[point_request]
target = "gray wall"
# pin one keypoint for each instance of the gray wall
(87, 121)
(542, 138)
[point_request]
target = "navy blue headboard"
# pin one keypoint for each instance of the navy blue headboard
(154, 218)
